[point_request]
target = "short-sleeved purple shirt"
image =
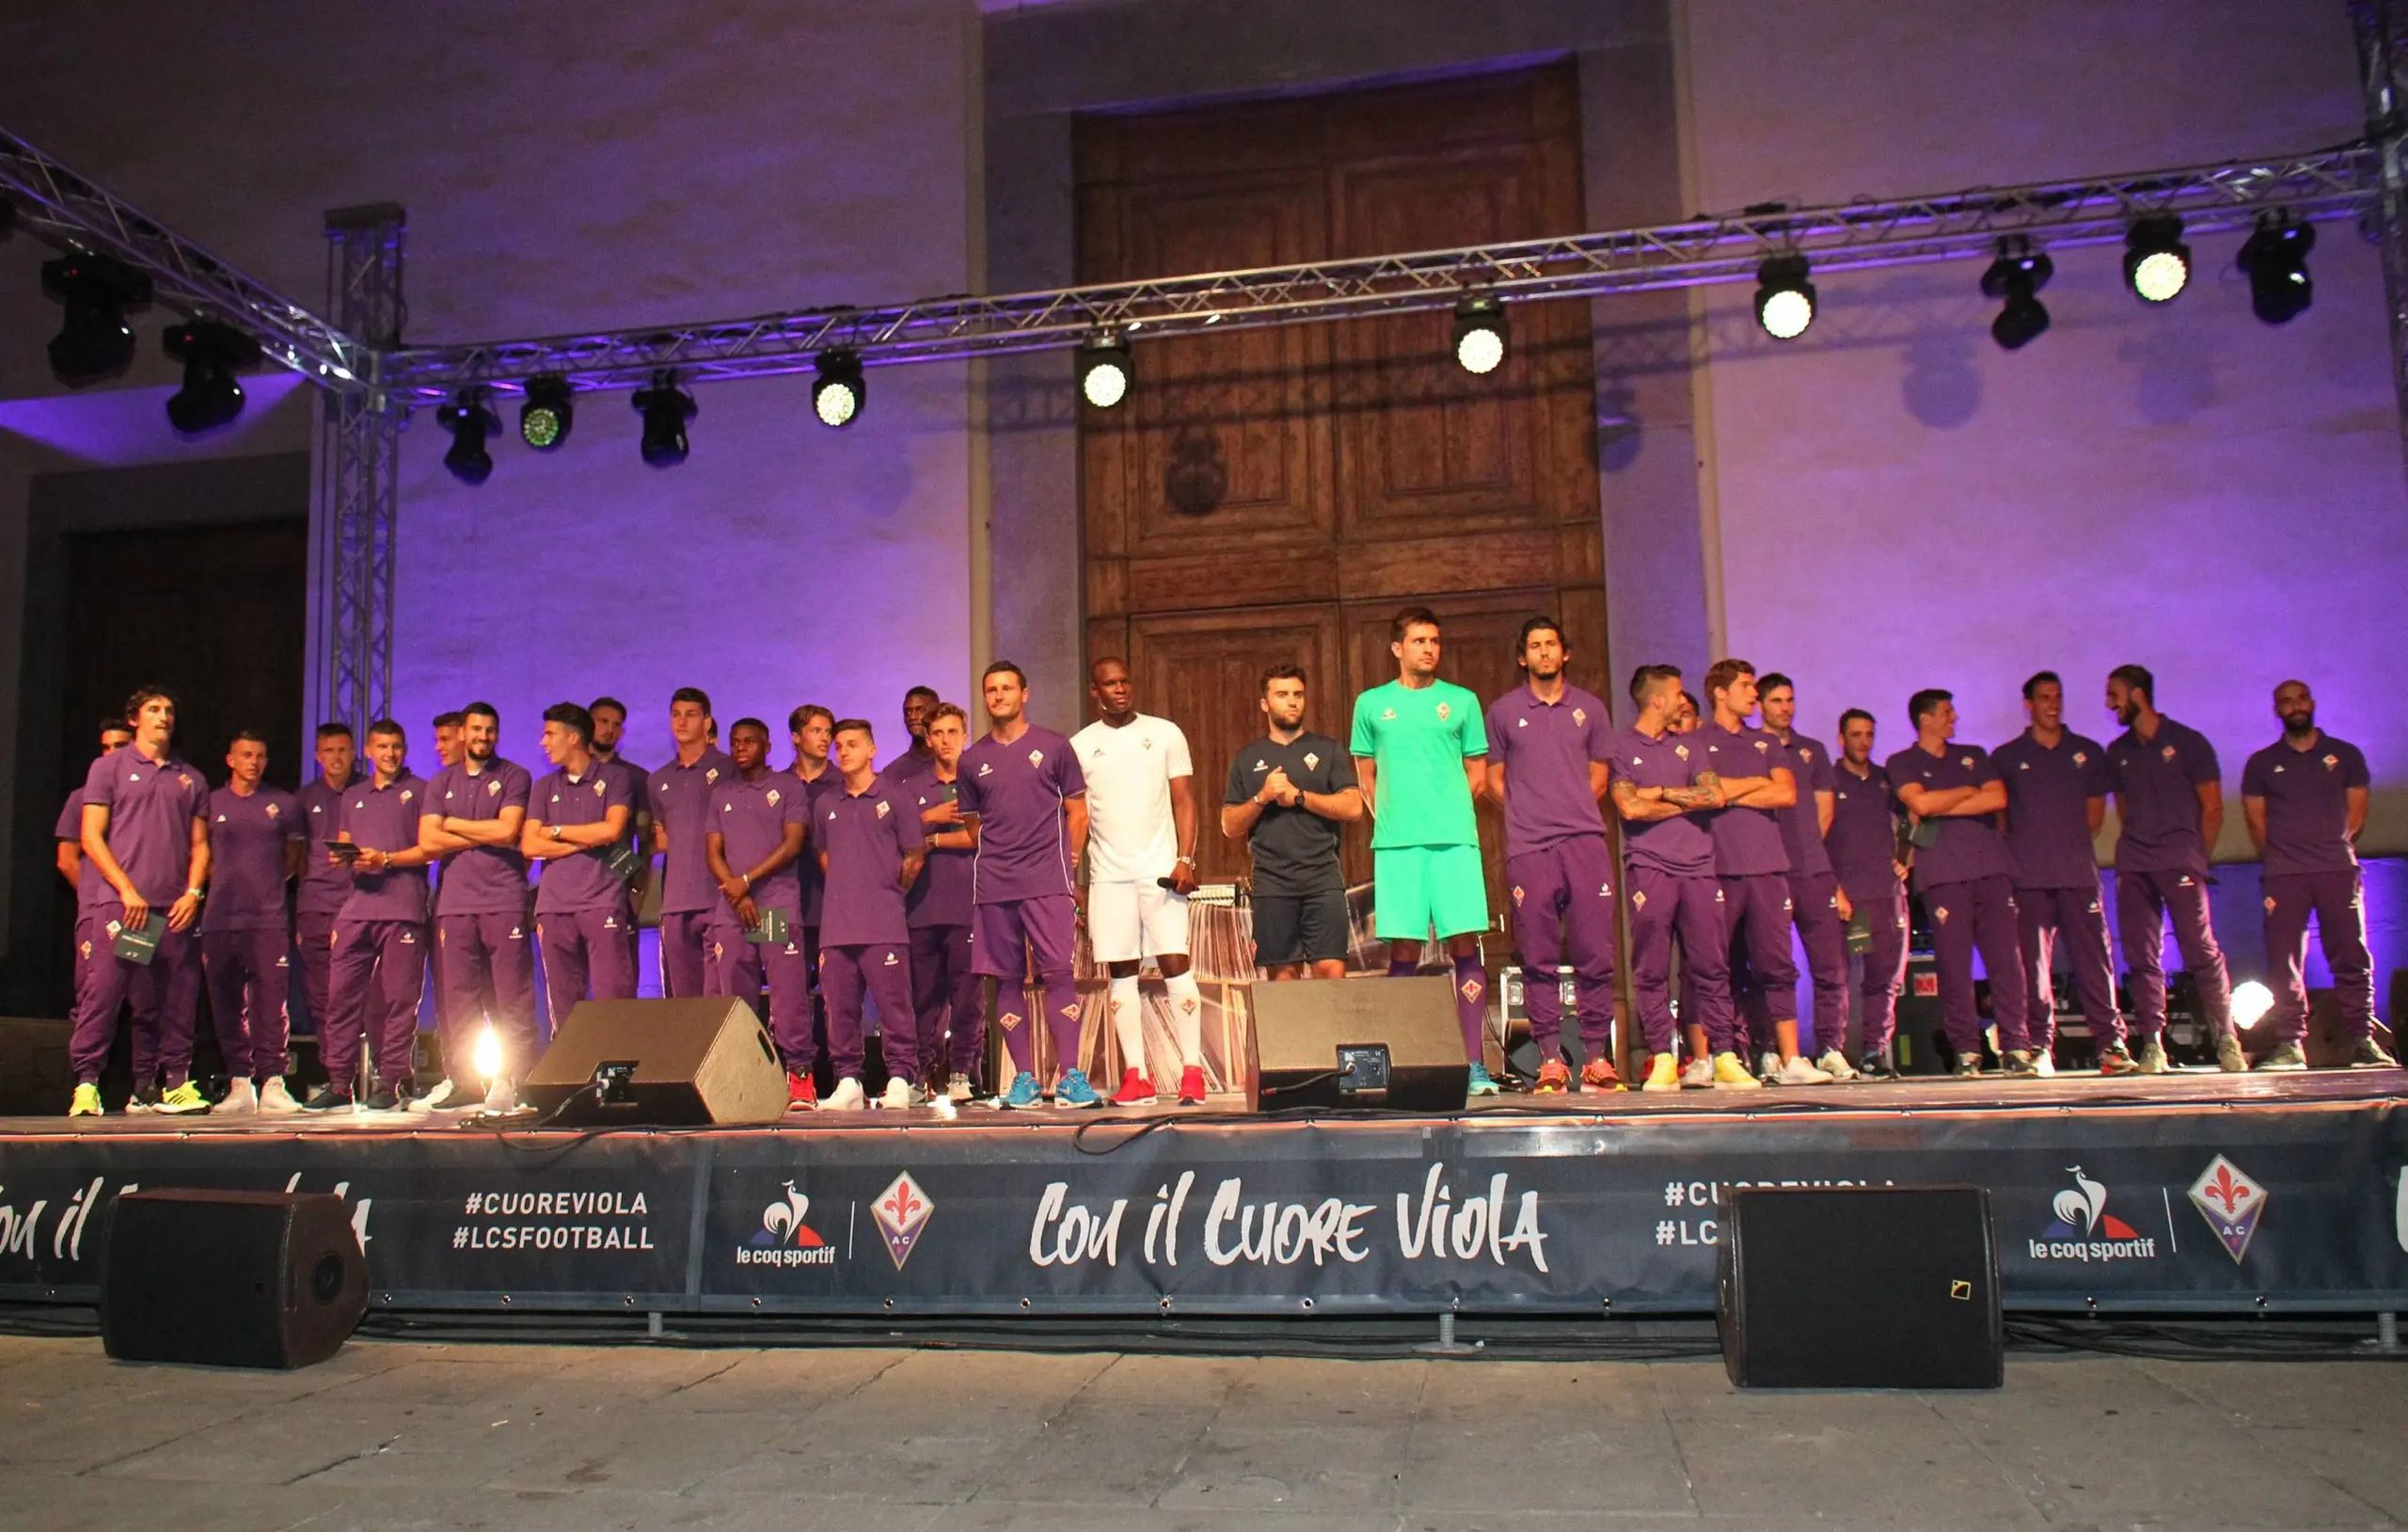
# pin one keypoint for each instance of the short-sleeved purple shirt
(385, 818)
(1863, 842)
(1545, 749)
(940, 894)
(680, 796)
(1682, 844)
(486, 879)
(638, 790)
(1746, 840)
(581, 880)
(910, 767)
(814, 887)
(91, 890)
(1970, 845)
(1018, 791)
(866, 836)
(70, 818)
(2157, 782)
(323, 887)
(750, 819)
(247, 841)
(2307, 803)
(1801, 823)
(2048, 808)
(152, 806)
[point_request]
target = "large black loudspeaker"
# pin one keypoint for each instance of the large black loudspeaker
(1372, 1042)
(230, 1279)
(659, 1062)
(1861, 1288)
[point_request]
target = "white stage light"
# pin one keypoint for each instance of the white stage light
(2250, 1002)
(1481, 335)
(1784, 298)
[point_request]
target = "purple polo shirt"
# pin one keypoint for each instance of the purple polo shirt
(91, 890)
(750, 819)
(1801, 823)
(940, 894)
(152, 806)
(486, 879)
(638, 783)
(1017, 791)
(2307, 803)
(908, 768)
(680, 796)
(581, 880)
(1970, 845)
(1682, 844)
(2048, 808)
(2158, 780)
(1746, 840)
(1863, 842)
(1545, 749)
(70, 818)
(247, 841)
(385, 818)
(866, 836)
(318, 807)
(814, 887)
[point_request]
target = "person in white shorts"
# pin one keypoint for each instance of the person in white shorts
(1141, 867)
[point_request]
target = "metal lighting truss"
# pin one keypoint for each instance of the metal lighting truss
(354, 524)
(2382, 27)
(2209, 198)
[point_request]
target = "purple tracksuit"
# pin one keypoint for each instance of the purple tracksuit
(750, 817)
(2312, 868)
(378, 969)
(151, 808)
(1863, 848)
(1813, 891)
(2162, 869)
(319, 894)
(141, 995)
(2058, 897)
(680, 796)
(246, 937)
(1556, 863)
(480, 929)
(864, 938)
(1673, 889)
(1968, 888)
(1752, 867)
(582, 915)
(1020, 882)
(939, 912)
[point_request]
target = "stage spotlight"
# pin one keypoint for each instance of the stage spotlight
(1104, 372)
(2157, 264)
(1480, 333)
(545, 419)
(1784, 298)
(2274, 258)
(212, 355)
(665, 408)
(2251, 1001)
(471, 420)
(838, 393)
(95, 344)
(2016, 276)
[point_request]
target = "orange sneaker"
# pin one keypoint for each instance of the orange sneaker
(801, 1095)
(1191, 1085)
(1555, 1078)
(1135, 1090)
(1598, 1075)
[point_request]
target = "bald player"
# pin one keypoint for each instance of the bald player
(754, 837)
(2056, 798)
(473, 820)
(1862, 840)
(255, 849)
(1815, 898)
(2304, 798)
(575, 817)
(324, 884)
(680, 796)
(2169, 809)
(380, 936)
(937, 911)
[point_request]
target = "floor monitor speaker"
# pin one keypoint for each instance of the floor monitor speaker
(1364, 1042)
(658, 1063)
(230, 1279)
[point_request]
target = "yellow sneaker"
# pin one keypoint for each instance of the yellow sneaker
(1664, 1074)
(185, 1100)
(1731, 1075)
(87, 1102)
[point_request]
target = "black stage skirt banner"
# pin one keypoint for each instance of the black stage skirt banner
(2296, 1207)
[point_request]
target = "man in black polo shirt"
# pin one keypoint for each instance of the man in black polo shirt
(1288, 793)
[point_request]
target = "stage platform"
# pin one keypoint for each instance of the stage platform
(2190, 1191)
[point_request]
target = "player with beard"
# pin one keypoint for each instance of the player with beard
(575, 817)
(2056, 798)
(758, 821)
(379, 966)
(473, 820)
(937, 911)
(324, 884)
(1816, 906)
(245, 930)
(680, 797)
(1287, 795)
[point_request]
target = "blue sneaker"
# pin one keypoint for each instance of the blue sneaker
(1023, 1094)
(1479, 1084)
(1072, 1090)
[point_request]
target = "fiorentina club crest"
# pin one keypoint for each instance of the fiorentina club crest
(1312, 761)
(902, 1212)
(2331, 762)
(2082, 757)
(1580, 718)
(2231, 1203)
(1442, 710)
(1037, 758)
(773, 797)
(1681, 751)
(710, 776)
(273, 810)
(2167, 752)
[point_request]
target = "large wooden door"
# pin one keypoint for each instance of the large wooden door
(1275, 496)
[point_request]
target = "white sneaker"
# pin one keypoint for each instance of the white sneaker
(1699, 1076)
(896, 1096)
(958, 1092)
(1835, 1063)
(848, 1096)
(1768, 1067)
(500, 1099)
(2044, 1062)
(451, 1096)
(242, 1099)
(275, 1099)
(1797, 1072)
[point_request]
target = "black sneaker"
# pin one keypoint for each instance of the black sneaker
(145, 1100)
(2016, 1062)
(2113, 1060)
(327, 1099)
(389, 1095)
(2370, 1055)
(1969, 1066)
(1878, 1067)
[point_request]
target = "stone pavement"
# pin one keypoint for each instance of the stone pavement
(395, 1436)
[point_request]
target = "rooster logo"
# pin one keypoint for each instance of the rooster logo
(2081, 1212)
(783, 1226)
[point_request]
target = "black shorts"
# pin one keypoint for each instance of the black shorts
(1300, 928)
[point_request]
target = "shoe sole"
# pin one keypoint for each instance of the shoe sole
(2279, 1070)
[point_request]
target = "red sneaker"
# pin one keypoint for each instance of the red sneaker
(801, 1095)
(1135, 1090)
(1555, 1078)
(1598, 1075)
(1191, 1085)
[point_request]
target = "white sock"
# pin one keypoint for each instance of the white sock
(1129, 1023)
(1187, 1017)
